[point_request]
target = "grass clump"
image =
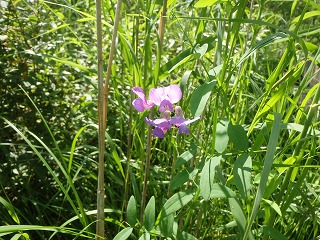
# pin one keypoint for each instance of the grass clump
(249, 168)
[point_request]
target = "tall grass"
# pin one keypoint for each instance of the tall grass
(249, 168)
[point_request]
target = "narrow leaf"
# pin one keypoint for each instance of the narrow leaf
(274, 205)
(273, 233)
(185, 236)
(207, 3)
(186, 156)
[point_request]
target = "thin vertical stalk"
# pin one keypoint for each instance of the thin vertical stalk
(162, 23)
(146, 169)
(129, 138)
(102, 110)
(101, 136)
(149, 136)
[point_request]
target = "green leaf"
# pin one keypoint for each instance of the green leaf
(221, 191)
(242, 174)
(207, 177)
(185, 236)
(273, 233)
(264, 42)
(186, 156)
(10, 209)
(269, 158)
(239, 216)
(306, 16)
(149, 214)
(201, 49)
(124, 234)
(145, 236)
(238, 136)
(289, 161)
(199, 98)
(132, 211)
(222, 137)
(183, 56)
(274, 205)
(182, 177)
(166, 225)
(207, 3)
(115, 154)
(176, 202)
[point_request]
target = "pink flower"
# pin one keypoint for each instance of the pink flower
(163, 97)
(181, 122)
(141, 103)
(161, 126)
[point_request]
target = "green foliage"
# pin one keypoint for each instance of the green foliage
(249, 168)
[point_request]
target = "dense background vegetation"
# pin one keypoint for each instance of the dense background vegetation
(250, 69)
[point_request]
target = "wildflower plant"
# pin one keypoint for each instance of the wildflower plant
(164, 98)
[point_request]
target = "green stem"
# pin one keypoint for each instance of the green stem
(100, 190)
(147, 169)
(102, 110)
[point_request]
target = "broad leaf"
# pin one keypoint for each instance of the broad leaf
(176, 202)
(199, 98)
(221, 191)
(242, 174)
(207, 177)
(145, 236)
(182, 177)
(132, 211)
(222, 137)
(166, 225)
(149, 214)
(124, 234)
(238, 136)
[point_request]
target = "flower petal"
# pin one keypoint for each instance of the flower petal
(173, 93)
(158, 132)
(139, 91)
(183, 129)
(165, 105)
(155, 95)
(191, 120)
(177, 121)
(138, 104)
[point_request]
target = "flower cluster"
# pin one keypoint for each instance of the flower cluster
(164, 98)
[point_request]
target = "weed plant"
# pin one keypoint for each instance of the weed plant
(249, 168)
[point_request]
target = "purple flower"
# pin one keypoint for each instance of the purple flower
(161, 126)
(164, 97)
(181, 122)
(141, 103)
